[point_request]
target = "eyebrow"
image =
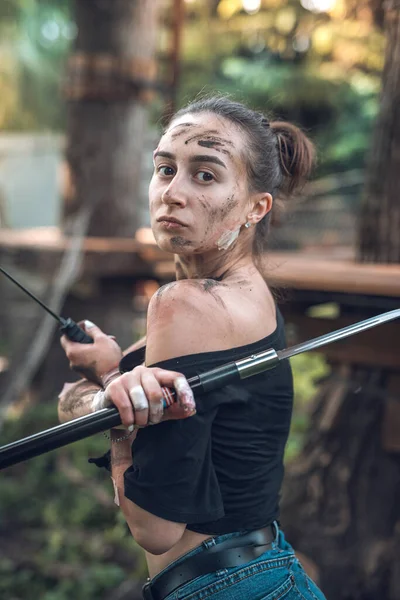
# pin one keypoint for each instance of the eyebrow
(192, 159)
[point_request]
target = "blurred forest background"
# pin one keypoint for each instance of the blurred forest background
(317, 63)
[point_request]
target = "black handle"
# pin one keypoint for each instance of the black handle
(74, 332)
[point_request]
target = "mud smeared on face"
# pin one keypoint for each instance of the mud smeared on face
(219, 213)
(180, 242)
(227, 239)
(214, 209)
(184, 129)
(209, 133)
(211, 139)
(214, 145)
(206, 204)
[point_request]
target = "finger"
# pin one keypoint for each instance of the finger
(184, 393)
(154, 394)
(176, 412)
(71, 349)
(100, 401)
(173, 379)
(64, 341)
(68, 345)
(91, 329)
(140, 404)
(118, 395)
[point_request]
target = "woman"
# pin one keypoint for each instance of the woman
(200, 494)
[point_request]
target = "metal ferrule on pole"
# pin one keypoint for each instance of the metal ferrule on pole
(257, 363)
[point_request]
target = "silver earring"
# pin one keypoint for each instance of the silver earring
(247, 225)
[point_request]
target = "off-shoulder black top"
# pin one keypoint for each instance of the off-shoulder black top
(220, 470)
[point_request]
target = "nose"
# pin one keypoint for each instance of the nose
(174, 194)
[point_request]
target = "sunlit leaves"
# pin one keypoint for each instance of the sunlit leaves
(35, 36)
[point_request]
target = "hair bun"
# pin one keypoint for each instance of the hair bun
(296, 153)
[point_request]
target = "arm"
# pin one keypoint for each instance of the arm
(153, 534)
(170, 317)
(75, 400)
(136, 346)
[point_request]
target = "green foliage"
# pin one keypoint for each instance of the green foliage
(308, 370)
(336, 113)
(61, 536)
(36, 36)
(319, 70)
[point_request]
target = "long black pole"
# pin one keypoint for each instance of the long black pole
(101, 420)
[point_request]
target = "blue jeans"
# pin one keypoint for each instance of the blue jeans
(275, 575)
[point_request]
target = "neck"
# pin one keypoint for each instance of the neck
(213, 264)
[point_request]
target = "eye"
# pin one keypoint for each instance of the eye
(165, 171)
(204, 176)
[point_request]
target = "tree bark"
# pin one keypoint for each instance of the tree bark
(379, 231)
(109, 84)
(341, 496)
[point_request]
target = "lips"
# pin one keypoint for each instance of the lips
(170, 220)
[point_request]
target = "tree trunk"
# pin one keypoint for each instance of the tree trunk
(341, 502)
(341, 496)
(111, 77)
(379, 232)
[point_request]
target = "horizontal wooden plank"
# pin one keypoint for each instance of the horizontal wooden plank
(334, 271)
(316, 272)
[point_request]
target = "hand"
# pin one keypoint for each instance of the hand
(138, 396)
(93, 360)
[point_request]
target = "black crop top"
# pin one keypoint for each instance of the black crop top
(221, 470)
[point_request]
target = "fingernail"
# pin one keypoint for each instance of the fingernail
(181, 383)
(185, 393)
(89, 324)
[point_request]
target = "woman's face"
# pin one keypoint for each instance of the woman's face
(198, 192)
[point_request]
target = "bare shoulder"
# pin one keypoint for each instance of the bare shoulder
(187, 317)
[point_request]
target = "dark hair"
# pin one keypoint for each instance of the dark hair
(279, 156)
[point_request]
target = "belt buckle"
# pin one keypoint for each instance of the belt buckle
(146, 591)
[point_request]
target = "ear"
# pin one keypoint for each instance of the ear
(261, 205)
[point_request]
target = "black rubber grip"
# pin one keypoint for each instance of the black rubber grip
(75, 333)
(219, 377)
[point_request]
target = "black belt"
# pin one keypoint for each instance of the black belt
(232, 552)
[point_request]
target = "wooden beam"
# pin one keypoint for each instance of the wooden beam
(294, 270)
(303, 271)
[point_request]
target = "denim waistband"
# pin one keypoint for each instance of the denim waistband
(211, 541)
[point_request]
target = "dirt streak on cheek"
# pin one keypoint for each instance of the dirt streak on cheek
(219, 215)
(204, 202)
(221, 212)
